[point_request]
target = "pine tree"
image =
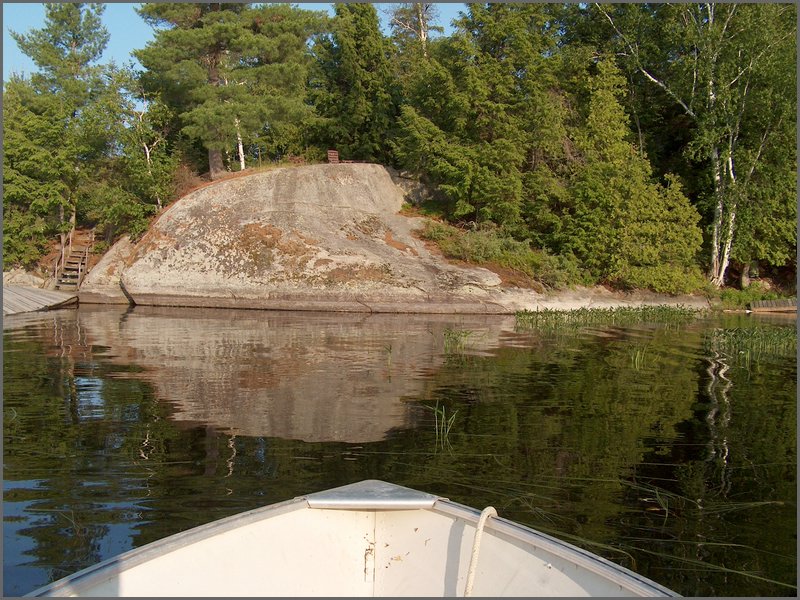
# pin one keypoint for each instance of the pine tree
(61, 126)
(186, 64)
(233, 74)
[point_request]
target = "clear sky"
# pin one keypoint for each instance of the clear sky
(126, 29)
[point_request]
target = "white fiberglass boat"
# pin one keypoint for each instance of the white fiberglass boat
(366, 539)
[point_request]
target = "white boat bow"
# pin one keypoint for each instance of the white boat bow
(370, 538)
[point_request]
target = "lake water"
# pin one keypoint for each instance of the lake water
(669, 448)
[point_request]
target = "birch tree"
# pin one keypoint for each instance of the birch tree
(718, 63)
(413, 22)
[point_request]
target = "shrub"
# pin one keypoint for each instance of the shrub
(490, 246)
(739, 299)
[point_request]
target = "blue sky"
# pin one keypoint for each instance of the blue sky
(127, 30)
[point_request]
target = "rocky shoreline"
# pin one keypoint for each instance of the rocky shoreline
(327, 237)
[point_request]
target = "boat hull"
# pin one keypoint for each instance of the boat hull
(367, 539)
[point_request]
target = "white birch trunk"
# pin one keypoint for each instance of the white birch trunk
(730, 217)
(147, 152)
(240, 145)
(719, 206)
(423, 28)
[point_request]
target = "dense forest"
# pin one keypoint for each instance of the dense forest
(634, 145)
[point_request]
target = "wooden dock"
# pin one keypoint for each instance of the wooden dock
(782, 305)
(22, 299)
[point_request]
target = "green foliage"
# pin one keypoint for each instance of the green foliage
(726, 75)
(476, 110)
(521, 119)
(116, 210)
(32, 190)
(731, 298)
(624, 228)
(231, 72)
(352, 86)
(491, 247)
(60, 126)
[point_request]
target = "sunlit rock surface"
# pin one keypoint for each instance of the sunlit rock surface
(319, 237)
(313, 238)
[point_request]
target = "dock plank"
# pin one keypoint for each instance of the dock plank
(781, 305)
(21, 299)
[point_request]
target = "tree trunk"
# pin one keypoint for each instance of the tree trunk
(240, 145)
(423, 27)
(745, 277)
(719, 205)
(216, 168)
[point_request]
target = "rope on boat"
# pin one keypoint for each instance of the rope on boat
(487, 512)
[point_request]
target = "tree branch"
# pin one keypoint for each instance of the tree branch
(635, 53)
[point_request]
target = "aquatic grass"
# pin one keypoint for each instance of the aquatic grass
(570, 320)
(387, 349)
(587, 543)
(727, 507)
(638, 356)
(455, 340)
(710, 567)
(746, 345)
(442, 425)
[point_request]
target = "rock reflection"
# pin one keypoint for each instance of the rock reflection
(306, 376)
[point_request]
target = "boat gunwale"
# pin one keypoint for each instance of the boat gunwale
(597, 564)
(136, 556)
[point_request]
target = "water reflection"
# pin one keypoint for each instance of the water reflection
(305, 376)
(650, 444)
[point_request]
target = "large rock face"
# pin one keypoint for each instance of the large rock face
(101, 285)
(320, 237)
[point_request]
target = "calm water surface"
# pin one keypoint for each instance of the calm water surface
(652, 444)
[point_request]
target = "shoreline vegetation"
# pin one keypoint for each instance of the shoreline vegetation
(542, 140)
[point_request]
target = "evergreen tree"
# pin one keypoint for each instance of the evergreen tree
(488, 90)
(187, 64)
(233, 74)
(59, 126)
(623, 227)
(33, 191)
(275, 68)
(352, 87)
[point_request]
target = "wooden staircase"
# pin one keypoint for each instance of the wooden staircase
(71, 266)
